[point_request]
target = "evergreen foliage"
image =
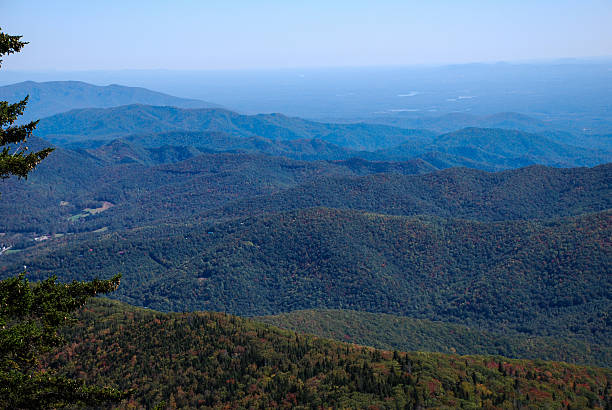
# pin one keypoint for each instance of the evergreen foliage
(392, 332)
(214, 187)
(30, 316)
(14, 156)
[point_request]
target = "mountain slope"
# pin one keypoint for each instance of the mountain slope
(526, 193)
(213, 187)
(209, 142)
(495, 149)
(542, 278)
(392, 332)
(214, 360)
(217, 129)
(456, 121)
(146, 184)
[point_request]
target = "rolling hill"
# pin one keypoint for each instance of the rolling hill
(146, 185)
(561, 131)
(488, 236)
(479, 148)
(495, 149)
(455, 121)
(489, 149)
(526, 193)
(209, 142)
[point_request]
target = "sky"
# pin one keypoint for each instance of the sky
(239, 34)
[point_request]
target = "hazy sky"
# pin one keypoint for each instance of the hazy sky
(213, 34)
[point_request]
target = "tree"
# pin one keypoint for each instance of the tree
(32, 314)
(14, 157)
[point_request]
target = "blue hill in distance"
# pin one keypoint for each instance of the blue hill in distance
(53, 97)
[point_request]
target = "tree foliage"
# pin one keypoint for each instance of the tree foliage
(406, 334)
(30, 316)
(15, 159)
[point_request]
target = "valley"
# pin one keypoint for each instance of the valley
(462, 261)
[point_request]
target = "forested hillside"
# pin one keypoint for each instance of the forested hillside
(220, 361)
(559, 130)
(212, 187)
(56, 195)
(526, 193)
(142, 148)
(542, 278)
(489, 149)
(348, 224)
(494, 149)
(211, 210)
(392, 332)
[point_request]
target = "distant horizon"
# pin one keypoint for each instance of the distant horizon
(274, 34)
(563, 89)
(601, 59)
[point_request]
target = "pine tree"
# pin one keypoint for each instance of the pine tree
(15, 159)
(30, 316)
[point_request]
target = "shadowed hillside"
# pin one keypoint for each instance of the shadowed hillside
(393, 332)
(109, 123)
(534, 277)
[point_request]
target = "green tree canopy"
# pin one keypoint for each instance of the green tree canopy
(30, 316)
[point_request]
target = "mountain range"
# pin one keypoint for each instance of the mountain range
(218, 186)
(222, 130)
(109, 123)
(459, 235)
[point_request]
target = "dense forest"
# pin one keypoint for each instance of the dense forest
(526, 193)
(108, 123)
(535, 277)
(215, 360)
(71, 181)
(392, 332)
(213, 187)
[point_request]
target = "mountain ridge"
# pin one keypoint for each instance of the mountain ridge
(109, 123)
(54, 97)
(219, 129)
